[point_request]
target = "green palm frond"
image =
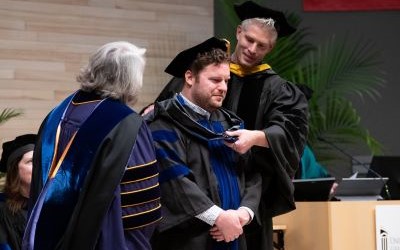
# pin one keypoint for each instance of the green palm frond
(225, 10)
(335, 70)
(343, 67)
(337, 121)
(289, 51)
(9, 113)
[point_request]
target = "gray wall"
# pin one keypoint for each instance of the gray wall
(380, 117)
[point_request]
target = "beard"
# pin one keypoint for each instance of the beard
(208, 103)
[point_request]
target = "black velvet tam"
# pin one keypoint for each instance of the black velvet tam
(15, 148)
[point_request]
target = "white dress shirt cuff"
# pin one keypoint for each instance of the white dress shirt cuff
(210, 215)
(251, 213)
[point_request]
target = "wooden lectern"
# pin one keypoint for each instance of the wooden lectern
(333, 225)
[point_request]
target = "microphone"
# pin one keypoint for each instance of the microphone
(358, 162)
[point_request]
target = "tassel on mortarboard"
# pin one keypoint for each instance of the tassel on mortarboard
(228, 46)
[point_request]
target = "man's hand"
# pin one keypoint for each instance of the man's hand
(148, 109)
(244, 216)
(227, 226)
(247, 139)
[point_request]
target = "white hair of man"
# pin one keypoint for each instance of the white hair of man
(115, 70)
(267, 23)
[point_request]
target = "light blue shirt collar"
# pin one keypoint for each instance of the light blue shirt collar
(195, 107)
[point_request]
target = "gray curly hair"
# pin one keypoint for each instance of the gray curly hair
(115, 70)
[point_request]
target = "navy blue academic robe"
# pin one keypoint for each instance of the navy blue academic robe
(95, 183)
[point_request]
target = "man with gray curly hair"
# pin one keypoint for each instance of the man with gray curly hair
(95, 176)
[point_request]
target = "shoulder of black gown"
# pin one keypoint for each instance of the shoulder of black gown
(174, 86)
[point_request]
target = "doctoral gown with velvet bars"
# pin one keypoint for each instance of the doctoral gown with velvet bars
(189, 185)
(105, 194)
(267, 102)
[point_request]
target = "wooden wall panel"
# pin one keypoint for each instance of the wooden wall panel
(44, 43)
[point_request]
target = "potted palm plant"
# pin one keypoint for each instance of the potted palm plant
(337, 70)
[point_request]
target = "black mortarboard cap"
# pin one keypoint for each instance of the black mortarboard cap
(182, 62)
(250, 9)
(15, 148)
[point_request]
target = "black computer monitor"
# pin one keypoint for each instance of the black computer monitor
(313, 189)
(387, 166)
(360, 188)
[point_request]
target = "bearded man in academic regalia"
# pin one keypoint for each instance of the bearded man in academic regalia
(208, 194)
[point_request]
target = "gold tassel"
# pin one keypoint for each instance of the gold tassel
(228, 46)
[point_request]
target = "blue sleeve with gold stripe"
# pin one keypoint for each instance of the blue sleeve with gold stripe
(140, 191)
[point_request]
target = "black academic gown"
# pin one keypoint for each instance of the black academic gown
(269, 103)
(188, 184)
(12, 226)
(280, 109)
